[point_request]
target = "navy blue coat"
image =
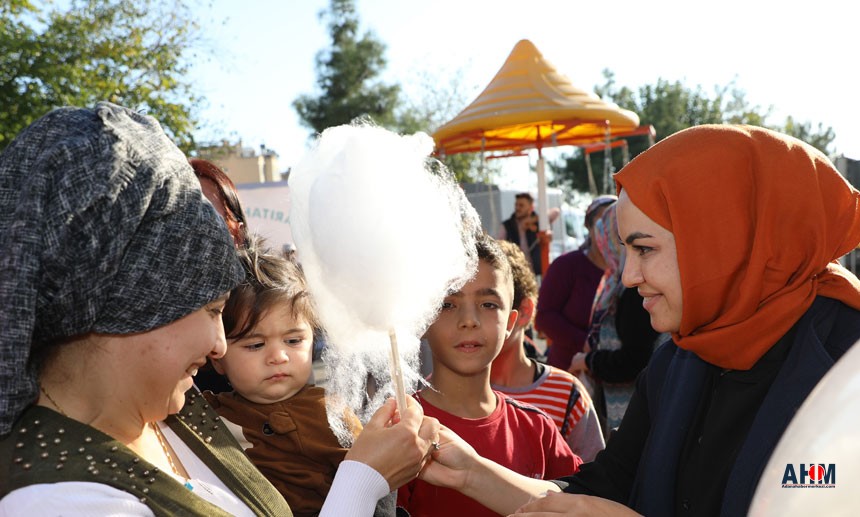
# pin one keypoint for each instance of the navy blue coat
(639, 465)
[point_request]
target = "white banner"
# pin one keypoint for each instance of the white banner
(267, 209)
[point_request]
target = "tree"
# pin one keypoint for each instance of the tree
(346, 76)
(671, 107)
(349, 89)
(820, 139)
(130, 52)
(434, 103)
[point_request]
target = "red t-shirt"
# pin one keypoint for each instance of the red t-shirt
(516, 435)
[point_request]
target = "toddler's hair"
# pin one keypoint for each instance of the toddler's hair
(270, 278)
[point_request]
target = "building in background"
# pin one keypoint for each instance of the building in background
(262, 188)
(244, 164)
(849, 168)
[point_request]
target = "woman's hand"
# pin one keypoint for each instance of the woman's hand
(577, 364)
(574, 505)
(397, 444)
(451, 463)
(456, 465)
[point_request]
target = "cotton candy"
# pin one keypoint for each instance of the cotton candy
(383, 232)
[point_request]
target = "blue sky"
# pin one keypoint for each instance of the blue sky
(798, 57)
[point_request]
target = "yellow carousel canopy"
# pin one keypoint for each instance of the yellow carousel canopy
(529, 104)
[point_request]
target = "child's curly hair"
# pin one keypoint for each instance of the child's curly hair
(525, 285)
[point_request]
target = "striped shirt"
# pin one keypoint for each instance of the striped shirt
(550, 392)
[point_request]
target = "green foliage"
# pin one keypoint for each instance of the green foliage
(346, 76)
(130, 52)
(13, 7)
(820, 139)
(349, 89)
(671, 107)
(435, 103)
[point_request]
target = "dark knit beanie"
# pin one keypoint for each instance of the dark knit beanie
(103, 228)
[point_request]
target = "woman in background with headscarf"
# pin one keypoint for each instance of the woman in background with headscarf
(621, 338)
(113, 276)
(567, 293)
(733, 235)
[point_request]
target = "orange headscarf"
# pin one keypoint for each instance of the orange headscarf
(759, 220)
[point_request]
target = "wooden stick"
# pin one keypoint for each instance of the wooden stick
(397, 373)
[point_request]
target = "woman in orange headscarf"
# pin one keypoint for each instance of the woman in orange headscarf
(733, 236)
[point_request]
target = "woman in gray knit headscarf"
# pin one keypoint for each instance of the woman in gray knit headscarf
(113, 275)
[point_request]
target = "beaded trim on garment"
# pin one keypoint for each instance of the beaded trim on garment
(46, 447)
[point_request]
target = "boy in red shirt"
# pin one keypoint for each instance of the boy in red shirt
(465, 338)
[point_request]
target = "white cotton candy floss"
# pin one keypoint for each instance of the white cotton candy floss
(382, 235)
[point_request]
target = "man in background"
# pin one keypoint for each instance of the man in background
(521, 228)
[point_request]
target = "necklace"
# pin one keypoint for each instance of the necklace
(158, 434)
(163, 443)
(52, 401)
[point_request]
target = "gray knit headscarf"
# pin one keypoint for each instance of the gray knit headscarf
(103, 229)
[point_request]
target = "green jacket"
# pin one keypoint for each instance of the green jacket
(47, 447)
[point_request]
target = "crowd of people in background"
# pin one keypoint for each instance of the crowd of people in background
(567, 293)
(620, 338)
(157, 356)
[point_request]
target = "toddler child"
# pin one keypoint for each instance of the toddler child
(277, 416)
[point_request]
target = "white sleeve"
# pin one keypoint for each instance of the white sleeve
(586, 437)
(72, 499)
(354, 492)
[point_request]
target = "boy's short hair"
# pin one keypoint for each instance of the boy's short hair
(489, 251)
(270, 278)
(525, 195)
(525, 285)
